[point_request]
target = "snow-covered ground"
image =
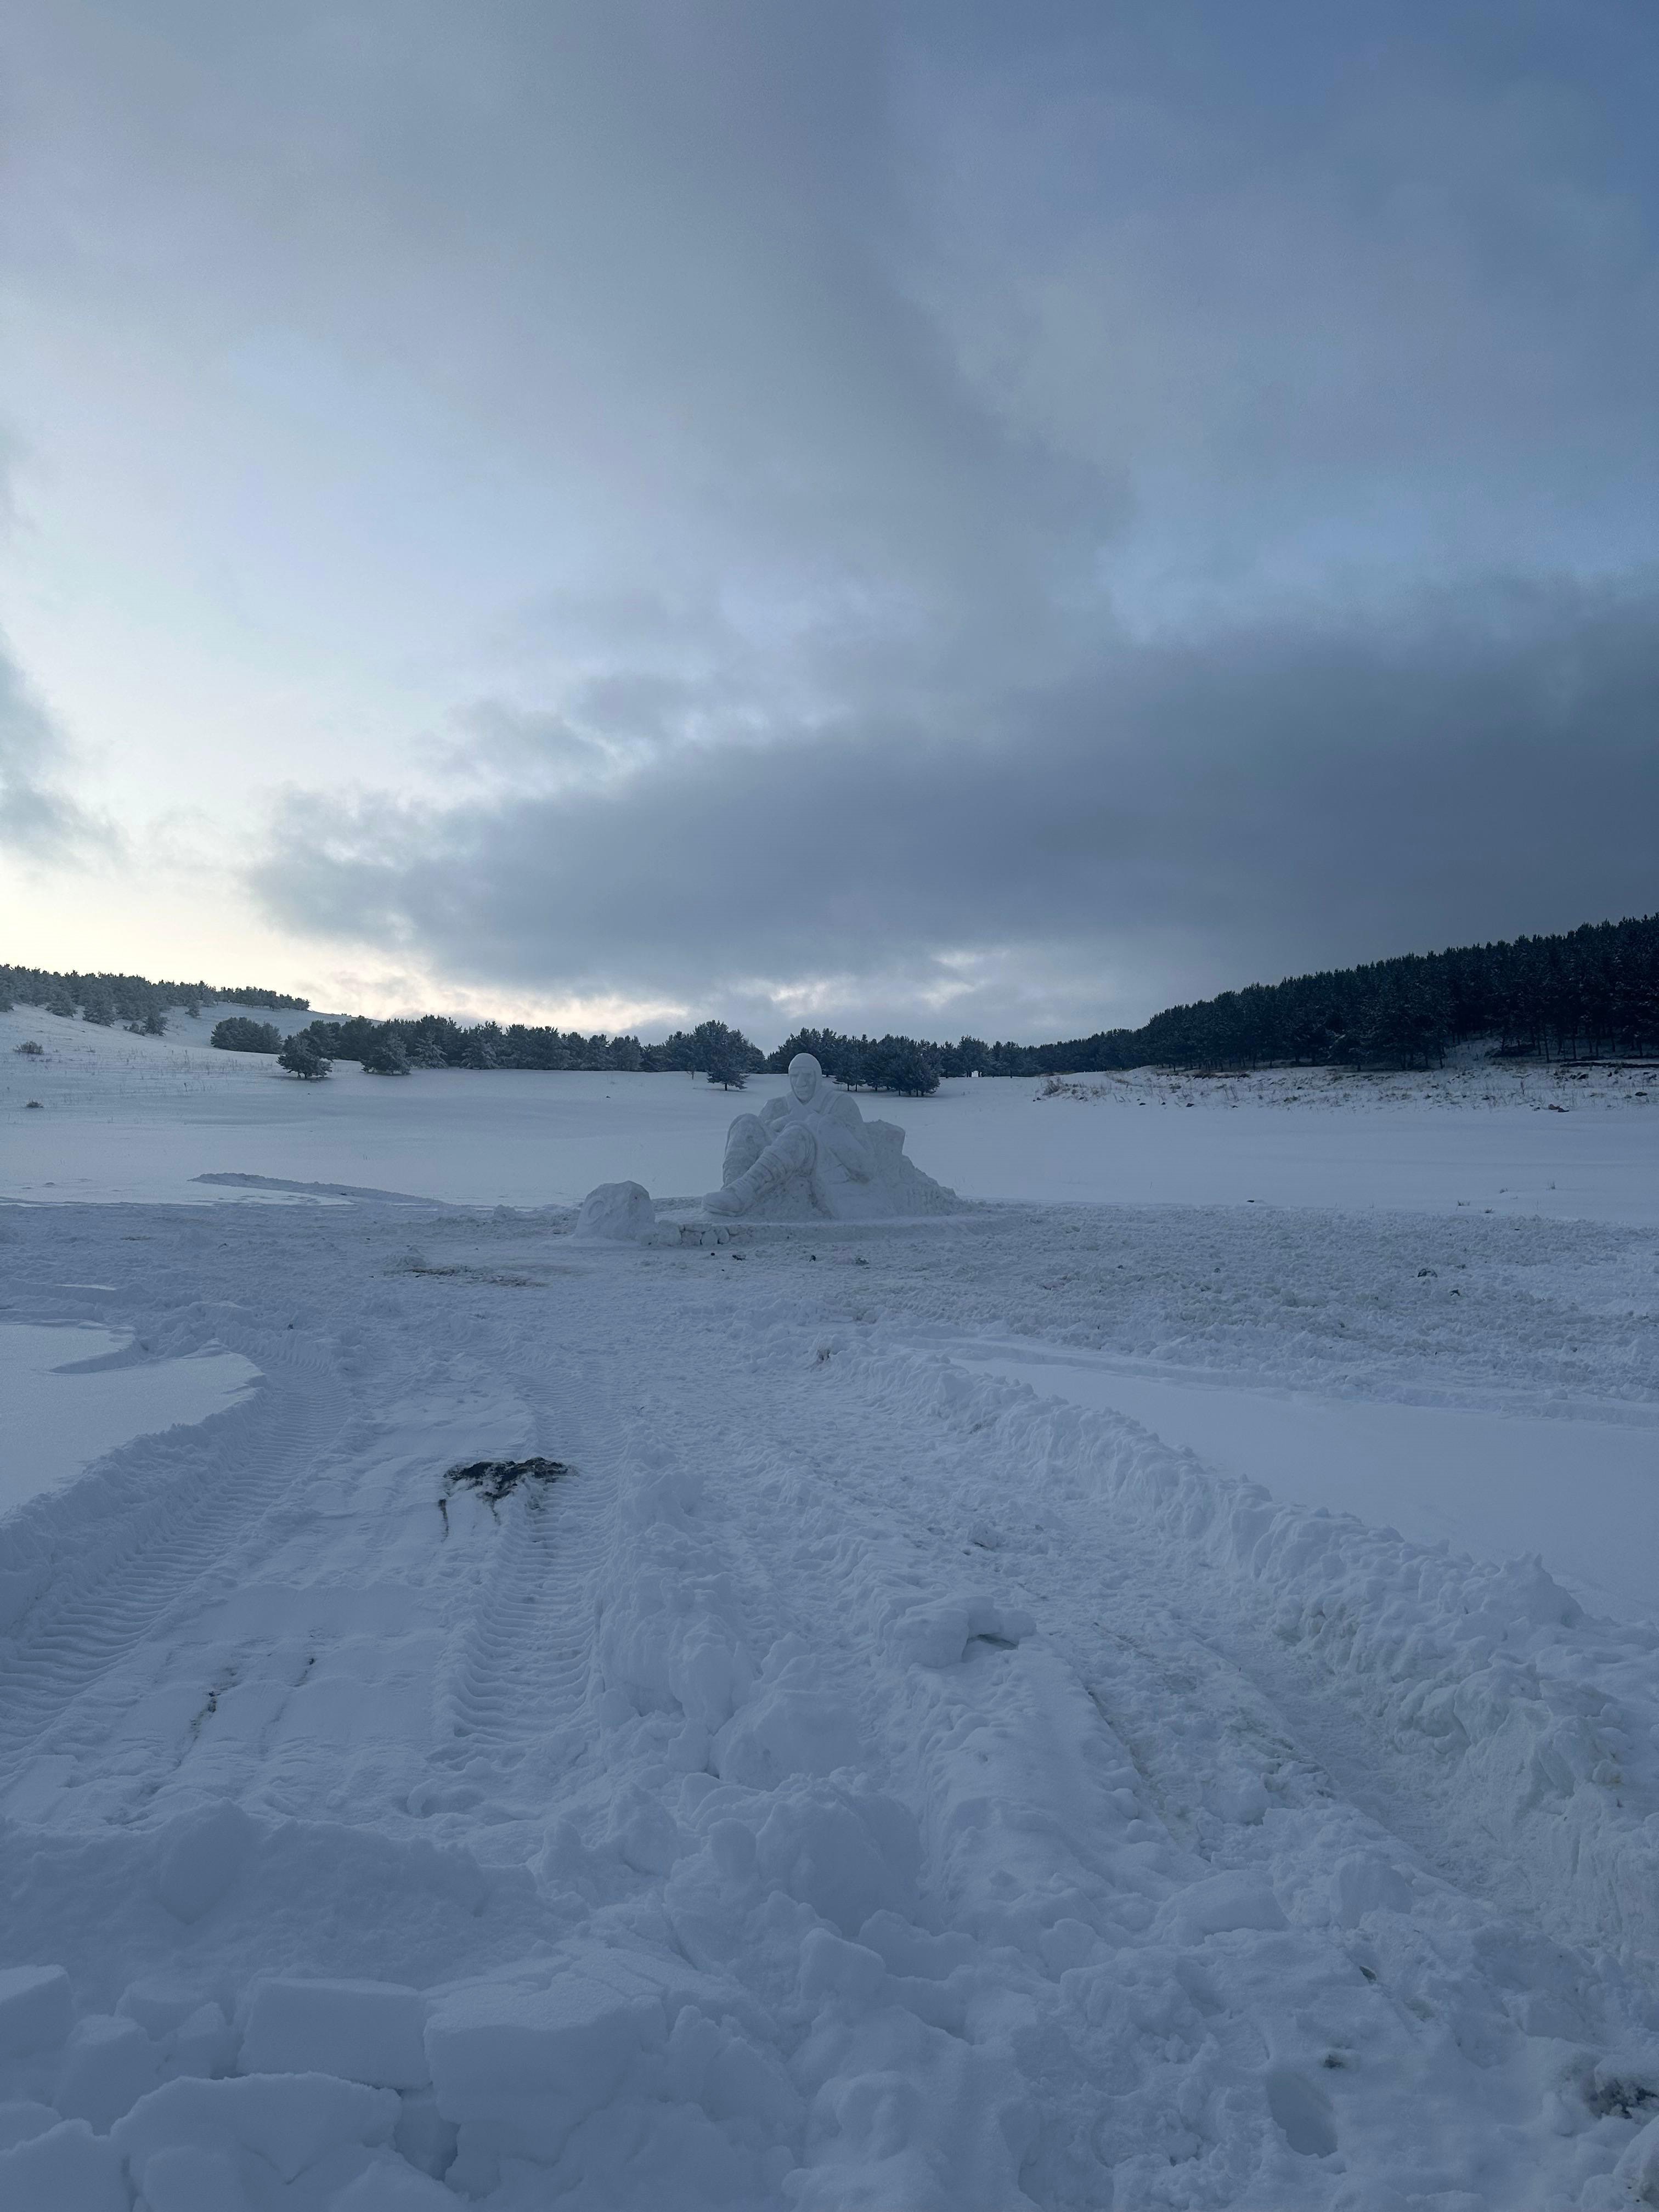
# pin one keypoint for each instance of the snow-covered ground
(123, 1117)
(74, 1392)
(849, 1775)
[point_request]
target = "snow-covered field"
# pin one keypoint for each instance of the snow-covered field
(853, 1776)
(125, 1118)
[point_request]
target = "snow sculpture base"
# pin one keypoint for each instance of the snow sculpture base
(811, 1156)
(626, 1214)
(899, 1188)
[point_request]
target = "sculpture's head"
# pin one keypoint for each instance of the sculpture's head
(804, 1076)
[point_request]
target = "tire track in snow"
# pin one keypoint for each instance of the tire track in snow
(187, 1503)
(520, 1666)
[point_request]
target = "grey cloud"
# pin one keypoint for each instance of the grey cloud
(1402, 304)
(1272, 799)
(664, 250)
(36, 818)
(934, 306)
(940, 300)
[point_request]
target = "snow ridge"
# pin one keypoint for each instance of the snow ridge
(1537, 1716)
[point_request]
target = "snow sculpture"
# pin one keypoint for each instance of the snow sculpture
(618, 1214)
(812, 1153)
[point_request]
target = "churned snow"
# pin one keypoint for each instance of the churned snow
(1579, 1492)
(841, 1773)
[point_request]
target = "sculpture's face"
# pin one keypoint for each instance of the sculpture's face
(804, 1076)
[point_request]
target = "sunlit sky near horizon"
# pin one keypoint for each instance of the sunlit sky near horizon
(946, 517)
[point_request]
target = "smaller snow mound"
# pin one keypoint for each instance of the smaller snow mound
(616, 1213)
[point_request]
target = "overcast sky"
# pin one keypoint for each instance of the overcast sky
(948, 516)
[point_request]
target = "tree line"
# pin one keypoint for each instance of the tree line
(400, 1046)
(1590, 992)
(105, 1000)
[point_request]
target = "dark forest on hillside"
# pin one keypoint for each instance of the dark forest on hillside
(1590, 993)
(106, 998)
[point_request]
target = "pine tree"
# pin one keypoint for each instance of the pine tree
(386, 1056)
(302, 1057)
(236, 1033)
(726, 1069)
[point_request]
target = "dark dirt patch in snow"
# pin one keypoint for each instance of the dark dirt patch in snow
(496, 1479)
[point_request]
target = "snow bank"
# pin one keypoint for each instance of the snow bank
(1582, 1493)
(1538, 1718)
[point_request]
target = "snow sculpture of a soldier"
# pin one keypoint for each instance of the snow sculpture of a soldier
(811, 1152)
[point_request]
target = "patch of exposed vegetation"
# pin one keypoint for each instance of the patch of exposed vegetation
(493, 1480)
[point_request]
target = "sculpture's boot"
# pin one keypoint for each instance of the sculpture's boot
(746, 1139)
(769, 1172)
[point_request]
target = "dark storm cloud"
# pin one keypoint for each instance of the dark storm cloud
(663, 249)
(1293, 796)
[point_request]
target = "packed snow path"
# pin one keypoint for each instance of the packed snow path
(852, 1782)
